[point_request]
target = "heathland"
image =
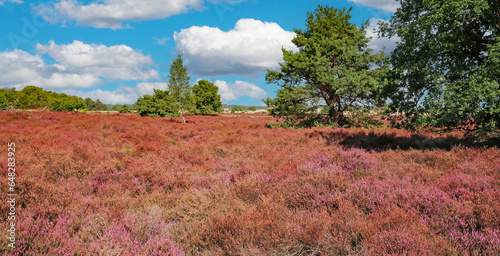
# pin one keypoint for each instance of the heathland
(96, 184)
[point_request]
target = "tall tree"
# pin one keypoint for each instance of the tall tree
(207, 98)
(179, 87)
(333, 64)
(445, 69)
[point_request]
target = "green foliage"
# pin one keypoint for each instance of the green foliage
(206, 97)
(252, 108)
(290, 103)
(95, 105)
(333, 66)
(179, 87)
(124, 109)
(237, 108)
(8, 97)
(32, 97)
(160, 104)
(67, 103)
(446, 68)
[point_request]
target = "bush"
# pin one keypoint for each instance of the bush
(237, 108)
(124, 109)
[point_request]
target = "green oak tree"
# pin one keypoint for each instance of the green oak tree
(206, 98)
(446, 67)
(333, 65)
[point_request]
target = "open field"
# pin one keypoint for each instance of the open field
(226, 185)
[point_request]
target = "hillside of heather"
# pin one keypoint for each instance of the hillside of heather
(95, 184)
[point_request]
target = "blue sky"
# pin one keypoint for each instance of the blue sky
(119, 50)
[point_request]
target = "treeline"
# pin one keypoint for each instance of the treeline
(32, 97)
(180, 98)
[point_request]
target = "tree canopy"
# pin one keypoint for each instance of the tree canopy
(206, 98)
(33, 97)
(333, 66)
(160, 104)
(446, 67)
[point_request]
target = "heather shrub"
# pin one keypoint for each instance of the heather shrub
(226, 185)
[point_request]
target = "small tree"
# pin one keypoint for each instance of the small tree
(179, 87)
(160, 104)
(100, 106)
(124, 109)
(252, 108)
(237, 108)
(207, 98)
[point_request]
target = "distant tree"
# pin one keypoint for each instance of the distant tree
(91, 105)
(115, 107)
(8, 96)
(4, 103)
(206, 98)
(179, 87)
(99, 106)
(333, 64)
(32, 97)
(160, 104)
(252, 108)
(237, 108)
(446, 69)
(124, 109)
(63, 102)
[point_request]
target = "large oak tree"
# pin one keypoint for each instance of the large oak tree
(446, 68)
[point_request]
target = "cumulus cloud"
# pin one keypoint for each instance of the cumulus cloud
(2, 2)
(251, 47)
(78, 65)
(118, 61)
(113, 13)
(378, 43)
(230, 92)
(386, 5)
(123, 95)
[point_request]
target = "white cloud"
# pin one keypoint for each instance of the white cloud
(113, 13)
(386, 5)
(251, 47)
(19, 69)
(230, 92)
(2, 2)
(123, 95)
(161, 41)
(78, 65)
(377, 43)
(116, 62)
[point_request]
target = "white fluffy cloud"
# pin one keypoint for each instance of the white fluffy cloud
(230, 92)
(115, 62)
(123, 95)
(78, 65)
(113, 13)
(2, 2)
(377, 43)
(251, 47)
(386, 5)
